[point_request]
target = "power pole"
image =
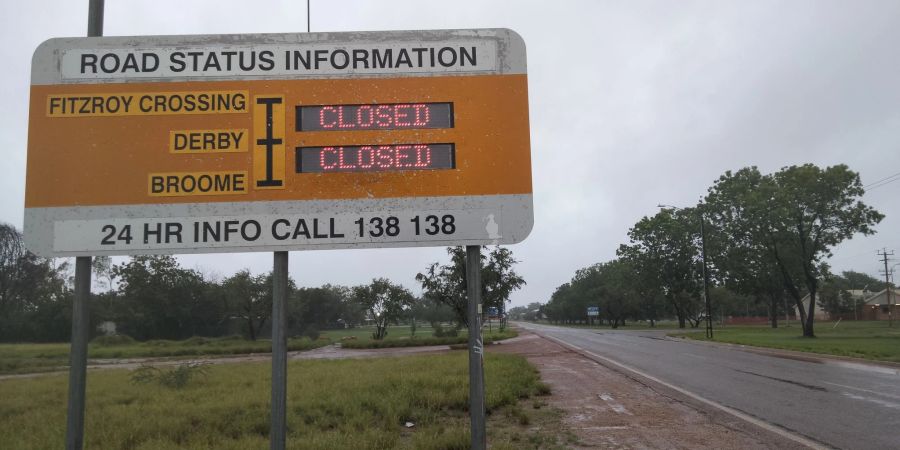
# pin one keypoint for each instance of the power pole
(709, 329)
(887, 284)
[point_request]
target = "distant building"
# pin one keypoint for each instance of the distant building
(818, 312)
(876, 307)
(870, 306)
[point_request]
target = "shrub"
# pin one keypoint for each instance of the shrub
(195, 340)
(312, 333)
(174, 378)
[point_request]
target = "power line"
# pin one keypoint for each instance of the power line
(879, 183)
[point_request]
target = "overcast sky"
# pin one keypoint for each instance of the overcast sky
(632, 103)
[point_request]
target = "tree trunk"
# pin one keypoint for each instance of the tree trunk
(808, 320)
(678, 312)
(251, 329)
(773, 309)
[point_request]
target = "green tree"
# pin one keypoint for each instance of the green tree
(34, 296)
(612, 286)
(163, 300)
(530, 312)
(857, 280)
(797, 215)
(385, 303)
(742, 262)
(664, 250)
(431, 311)
(447, 284)
(249, 300)
(618, 293)
(324, 307)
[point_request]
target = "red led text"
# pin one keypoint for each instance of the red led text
(370, 157)
(404, 115)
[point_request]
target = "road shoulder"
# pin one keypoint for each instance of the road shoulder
(608, 409)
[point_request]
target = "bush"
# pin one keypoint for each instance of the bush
(109, 341)
(174, 378)
(312, 333)
(195, 340)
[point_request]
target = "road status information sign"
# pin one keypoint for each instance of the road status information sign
(271, 142)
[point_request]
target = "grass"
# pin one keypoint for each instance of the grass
(487, 336)
(28, 358)
(341, 404)
(365, 333)
(868, 340)
(31, 358)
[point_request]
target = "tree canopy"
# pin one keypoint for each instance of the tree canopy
(446, 284)
(767, 238)
(793, 218)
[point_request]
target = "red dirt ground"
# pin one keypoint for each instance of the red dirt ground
(606, 409)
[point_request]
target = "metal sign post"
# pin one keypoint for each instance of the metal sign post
(476, 348)
(78, 354)
(278, 433)
(80, 310)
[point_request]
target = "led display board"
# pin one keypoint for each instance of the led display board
(375, 158)
(226, 143)
(403, 116)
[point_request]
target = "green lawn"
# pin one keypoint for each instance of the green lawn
(869, 340)
(342, 404)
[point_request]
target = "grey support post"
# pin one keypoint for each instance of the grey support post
(278, 432)
(476, 348)
(78, 354)
(80, 311)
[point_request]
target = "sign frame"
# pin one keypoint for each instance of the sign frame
(74, 226)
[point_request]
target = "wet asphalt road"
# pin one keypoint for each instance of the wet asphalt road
(840, 404)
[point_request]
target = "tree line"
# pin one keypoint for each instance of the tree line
(154, 297)
(766, 239)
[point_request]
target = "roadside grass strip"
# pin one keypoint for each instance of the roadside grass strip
(416, 402)
(33, 358)
(488, 338)
(867, 340)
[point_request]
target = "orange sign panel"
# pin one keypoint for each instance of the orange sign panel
(376, 135)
